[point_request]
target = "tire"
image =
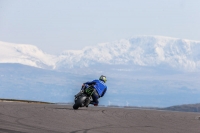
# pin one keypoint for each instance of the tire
(75, 106)
(79, 102)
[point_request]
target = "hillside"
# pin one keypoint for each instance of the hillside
(185, 108)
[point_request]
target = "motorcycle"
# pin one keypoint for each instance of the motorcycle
(84, 97)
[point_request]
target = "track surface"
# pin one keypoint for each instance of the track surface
(48, 118)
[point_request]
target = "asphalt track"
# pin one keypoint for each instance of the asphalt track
(16, 117)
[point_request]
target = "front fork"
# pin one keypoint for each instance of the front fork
(81, 92)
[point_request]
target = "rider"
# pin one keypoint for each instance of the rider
(99, 89)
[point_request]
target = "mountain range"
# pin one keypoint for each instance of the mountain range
(142, 51)
(141, 71)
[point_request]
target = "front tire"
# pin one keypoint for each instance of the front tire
(75, 106)
(79, 102)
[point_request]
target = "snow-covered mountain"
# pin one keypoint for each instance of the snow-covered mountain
(142, 50)
(150, 51)
(25, 54)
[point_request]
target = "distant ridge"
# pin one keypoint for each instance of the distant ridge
(185, 108)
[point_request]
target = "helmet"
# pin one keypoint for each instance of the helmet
(103, 78)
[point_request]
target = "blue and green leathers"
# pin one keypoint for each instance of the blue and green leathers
(100, 87)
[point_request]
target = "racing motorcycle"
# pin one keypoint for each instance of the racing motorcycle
(84, 97)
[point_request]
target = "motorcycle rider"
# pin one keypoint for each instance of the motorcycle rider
(99, 89)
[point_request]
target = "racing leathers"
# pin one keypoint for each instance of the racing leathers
(100, 90)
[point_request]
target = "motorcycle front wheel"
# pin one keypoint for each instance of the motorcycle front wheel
(76, 106)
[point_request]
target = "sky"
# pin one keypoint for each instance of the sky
(58, 25)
